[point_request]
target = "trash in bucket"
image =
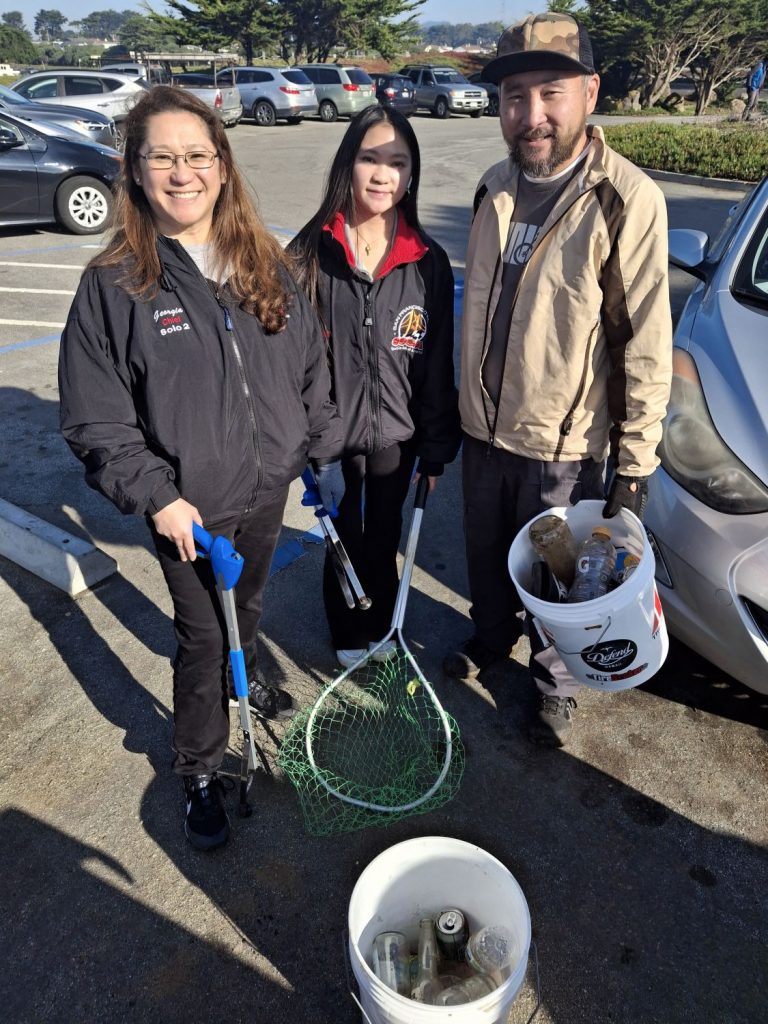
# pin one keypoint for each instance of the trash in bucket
(413, 882)
(613, 642)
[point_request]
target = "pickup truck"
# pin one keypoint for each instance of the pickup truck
(218, 92)
(443, 90)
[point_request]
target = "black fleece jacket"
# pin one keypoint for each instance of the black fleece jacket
(186, 395)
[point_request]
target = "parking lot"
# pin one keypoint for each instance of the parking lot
(641, 849)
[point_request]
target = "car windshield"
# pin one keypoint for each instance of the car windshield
(448, 77)
(751, 280)
(13, 97)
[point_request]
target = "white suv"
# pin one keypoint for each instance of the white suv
(105, 92)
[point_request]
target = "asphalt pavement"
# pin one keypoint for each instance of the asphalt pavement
(641, 849)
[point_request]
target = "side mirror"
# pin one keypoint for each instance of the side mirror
(9, 139)
(688, 249)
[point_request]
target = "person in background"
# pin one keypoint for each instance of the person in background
(566, 347)
(194, 387)
(755, 80)
(384, 292)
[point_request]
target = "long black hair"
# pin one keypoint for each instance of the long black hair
(338, 198)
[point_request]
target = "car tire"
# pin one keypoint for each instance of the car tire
(83, 205)
(476, 113)
(441, 108)
(264, 114)
(492, 110)
(328, 111)
(294, 120)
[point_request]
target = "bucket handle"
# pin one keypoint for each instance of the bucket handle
(587, 649)
(345, 952)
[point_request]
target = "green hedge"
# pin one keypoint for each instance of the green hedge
(731, 150)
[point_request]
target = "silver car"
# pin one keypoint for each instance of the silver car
(342, 89)
(105, 92)
(708, 503)
(217, 91)
(94, 127)
(276, 94)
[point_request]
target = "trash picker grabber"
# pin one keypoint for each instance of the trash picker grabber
(348, 580)
(227, 567)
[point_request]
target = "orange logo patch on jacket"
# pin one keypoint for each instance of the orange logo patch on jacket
(410, 329)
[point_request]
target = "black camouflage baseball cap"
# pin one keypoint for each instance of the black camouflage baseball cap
(541, 42)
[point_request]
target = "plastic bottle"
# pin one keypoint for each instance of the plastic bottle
(467, 990)
(428, 986)
(491, 950)
(594, 564)
(390, 961)
(553, 541)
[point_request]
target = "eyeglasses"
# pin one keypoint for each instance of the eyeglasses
(197, 159)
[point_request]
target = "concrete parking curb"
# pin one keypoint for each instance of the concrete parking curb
(695, 179)
(71, 564)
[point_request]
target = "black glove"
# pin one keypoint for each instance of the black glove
(330, 486)
(620, 496)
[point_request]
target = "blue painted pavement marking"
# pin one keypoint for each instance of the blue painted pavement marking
(30, 344)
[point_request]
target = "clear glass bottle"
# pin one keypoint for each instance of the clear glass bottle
(391, 961)
(465, 991)
(428, 986)
(594, 565)
(491, 950)
(553, 541)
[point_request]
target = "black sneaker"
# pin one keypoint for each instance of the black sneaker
(552, 724)
(266, 701)
(207, 824)
(470, 660)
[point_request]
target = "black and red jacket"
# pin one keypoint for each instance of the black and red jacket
(391, 344)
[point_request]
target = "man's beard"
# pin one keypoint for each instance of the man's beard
(561, 151)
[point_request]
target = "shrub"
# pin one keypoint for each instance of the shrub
(730, 150)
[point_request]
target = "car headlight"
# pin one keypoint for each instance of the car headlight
(693, 453)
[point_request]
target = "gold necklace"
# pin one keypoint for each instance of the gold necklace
(367, 246)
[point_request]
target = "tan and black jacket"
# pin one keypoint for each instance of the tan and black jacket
(590, 344)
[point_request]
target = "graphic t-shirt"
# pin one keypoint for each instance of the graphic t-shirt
(535, 200)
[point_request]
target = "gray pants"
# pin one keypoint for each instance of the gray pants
(752, 98)
(502, 492)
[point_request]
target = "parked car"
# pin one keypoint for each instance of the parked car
(443, 90)
(708, 503)
(493, 93)
(107, 93)
(276, 94)
(342, 90)
(219, 92)
(45, 177)
(150, 74)
(395, 91)
(96, 127)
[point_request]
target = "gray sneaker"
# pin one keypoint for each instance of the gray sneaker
(552, 724)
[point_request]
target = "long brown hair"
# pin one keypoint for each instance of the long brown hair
(240, 241)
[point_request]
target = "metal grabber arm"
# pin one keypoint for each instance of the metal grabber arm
(227, 567)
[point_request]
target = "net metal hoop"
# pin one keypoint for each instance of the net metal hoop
(402, 808)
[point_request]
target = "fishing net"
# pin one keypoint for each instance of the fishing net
(375, 748)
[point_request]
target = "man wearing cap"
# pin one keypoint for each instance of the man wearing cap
(566, 336)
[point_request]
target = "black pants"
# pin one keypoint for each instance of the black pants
(502, 492)
(200, 700)
(371, 535)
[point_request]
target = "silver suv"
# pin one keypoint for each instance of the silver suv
(275, 94)
(342, 89)
(443, 90)
(105, 92)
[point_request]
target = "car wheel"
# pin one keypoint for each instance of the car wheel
(83, 205)
(441, 107)
(476, 113)
(493, 106)
(294, 120)
(328, 111)
(264, 114)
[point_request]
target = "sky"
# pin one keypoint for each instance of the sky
(506, 11)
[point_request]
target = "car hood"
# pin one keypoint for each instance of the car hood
(727, 342)
(52, 111)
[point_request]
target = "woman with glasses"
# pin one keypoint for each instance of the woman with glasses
(384, 292)
(194, 388)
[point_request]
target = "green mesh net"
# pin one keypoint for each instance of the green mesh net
(375, 748)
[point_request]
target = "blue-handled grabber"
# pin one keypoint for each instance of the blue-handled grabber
(227, 567)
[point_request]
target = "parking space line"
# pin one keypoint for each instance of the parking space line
(38, 291)
(44, 266)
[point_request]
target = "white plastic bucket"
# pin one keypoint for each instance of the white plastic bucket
(417, 879)
(618, 640)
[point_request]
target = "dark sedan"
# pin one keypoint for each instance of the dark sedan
(492, 110)
(45, 178)
(395, 91)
